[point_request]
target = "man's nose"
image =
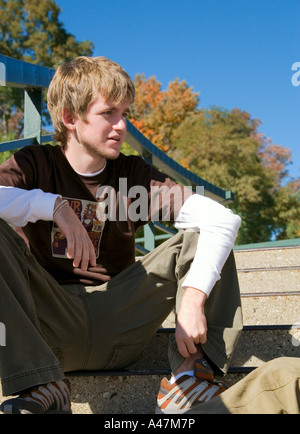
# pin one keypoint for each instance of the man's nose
(120, 124)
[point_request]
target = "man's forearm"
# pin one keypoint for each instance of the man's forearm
(191, 325)
(18, 206)
(218, 227)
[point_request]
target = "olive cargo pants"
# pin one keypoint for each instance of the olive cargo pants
(52, 329)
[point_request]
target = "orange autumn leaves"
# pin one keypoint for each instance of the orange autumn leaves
(157, 113)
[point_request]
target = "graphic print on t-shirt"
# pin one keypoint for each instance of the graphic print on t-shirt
(91, 214)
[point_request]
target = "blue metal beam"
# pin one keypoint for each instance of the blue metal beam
(21, 143)
(22, 74)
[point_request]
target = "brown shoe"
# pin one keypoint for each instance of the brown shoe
(51, 398)
(188, 391)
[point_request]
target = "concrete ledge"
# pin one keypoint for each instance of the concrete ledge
(120, 395)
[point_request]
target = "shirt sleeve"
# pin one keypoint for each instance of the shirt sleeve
(218, 227)
(18, 206)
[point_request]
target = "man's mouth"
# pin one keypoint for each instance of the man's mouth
(115, 138)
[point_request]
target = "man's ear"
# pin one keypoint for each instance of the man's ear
(68, 120)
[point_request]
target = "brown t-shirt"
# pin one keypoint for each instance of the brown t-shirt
(112, 206)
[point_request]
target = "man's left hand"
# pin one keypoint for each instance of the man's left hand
(191, 326)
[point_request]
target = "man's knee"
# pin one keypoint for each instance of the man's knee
(282, 366)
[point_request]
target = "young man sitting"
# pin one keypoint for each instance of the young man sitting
(77, 299)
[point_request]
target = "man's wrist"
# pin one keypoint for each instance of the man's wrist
(57, 202)
(198, 296)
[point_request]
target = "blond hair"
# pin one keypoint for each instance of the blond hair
(76, 85)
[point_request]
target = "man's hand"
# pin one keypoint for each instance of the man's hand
(191, 326)
(79, 245)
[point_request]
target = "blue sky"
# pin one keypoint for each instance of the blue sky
(236, 53)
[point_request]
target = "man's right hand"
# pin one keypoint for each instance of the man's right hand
(79, 245)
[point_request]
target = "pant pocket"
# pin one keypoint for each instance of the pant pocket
(126, 354)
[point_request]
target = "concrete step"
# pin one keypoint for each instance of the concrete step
(267, 257)
(274, 310)
(128, 394)
(278, 280)
(263, 342)
(136, 394)
(263, 308)
(120, 395)
(115, 394)
(268, 269)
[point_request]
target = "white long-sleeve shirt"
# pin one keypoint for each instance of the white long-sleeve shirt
(218, 227)
(19, 207)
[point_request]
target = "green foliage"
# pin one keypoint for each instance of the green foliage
(31, 31)
(287, 211)
(126, 149)
(5, 156)
(226, 149)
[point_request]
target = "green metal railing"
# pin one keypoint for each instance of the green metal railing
(295, 242)
(34, 79)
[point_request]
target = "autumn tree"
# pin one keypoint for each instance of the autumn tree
(225, 148)
(157, 113)
(287, 211)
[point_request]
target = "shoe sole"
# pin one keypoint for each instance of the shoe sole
(50, 412)
(158, 410)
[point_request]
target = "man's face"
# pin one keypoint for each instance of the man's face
(103, 131)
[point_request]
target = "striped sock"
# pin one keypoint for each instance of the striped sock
(174, 379)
